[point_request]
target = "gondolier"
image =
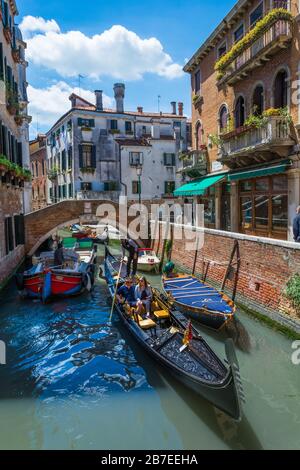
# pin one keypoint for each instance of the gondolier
(132, 247)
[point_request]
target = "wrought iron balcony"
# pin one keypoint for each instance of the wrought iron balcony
(273, 39)
(194, 163)
(251, 144)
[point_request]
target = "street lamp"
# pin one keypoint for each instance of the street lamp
(139, 172)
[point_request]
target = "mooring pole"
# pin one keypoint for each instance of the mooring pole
(237, 271)
(196, 256)
(164, 245)
(229, 264)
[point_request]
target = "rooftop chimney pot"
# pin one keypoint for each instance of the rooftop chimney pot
(180, 109)
(173, 104)
(119, 89)
(99, 100)
(140, 109)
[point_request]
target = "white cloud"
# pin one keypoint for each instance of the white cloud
(34, 24)
(47, 105)
(117, 52)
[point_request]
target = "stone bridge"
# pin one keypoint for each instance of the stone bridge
(42, 224)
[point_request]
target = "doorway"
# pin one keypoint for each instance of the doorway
(225, 208)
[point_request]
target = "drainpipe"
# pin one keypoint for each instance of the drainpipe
(121, 182)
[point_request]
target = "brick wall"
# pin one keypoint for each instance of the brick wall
(266, 266)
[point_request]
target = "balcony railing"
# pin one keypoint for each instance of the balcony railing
(245, 143)
(272, 40)
(194, 163)
(98, 195)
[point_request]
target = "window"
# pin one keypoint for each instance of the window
(86, 122)
(19, 229)
(209, 203)
(9, 236)
(63, 161)
(199, 135)
(1, 62)
(223, 119)
(86, 186)
(239, 33)
(70, 190)
(281, 90)
(222, 50)
(128, 127)
(136, 187)
(87, 156)
(264, 206)
(110, 186)
(113, 125)
(70, 159)
(169, 159)
(239, 112)
(135, 158)
(258, 103)
(169, 187)
(197, 81)
(257, 14)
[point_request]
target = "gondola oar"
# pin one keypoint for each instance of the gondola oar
(116, 290)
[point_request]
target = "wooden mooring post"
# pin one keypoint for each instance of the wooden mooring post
(230, 268)
(164, 246)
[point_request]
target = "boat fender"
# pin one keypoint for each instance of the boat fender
(19, 281)
(87, 282)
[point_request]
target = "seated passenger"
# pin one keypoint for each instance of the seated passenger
(143, 296)
(126, 293)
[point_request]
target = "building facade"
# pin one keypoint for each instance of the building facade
(15, 186)
(246, 120)
(97, 153)
(38, 166)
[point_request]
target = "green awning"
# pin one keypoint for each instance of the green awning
(258, 172)
(198, 188)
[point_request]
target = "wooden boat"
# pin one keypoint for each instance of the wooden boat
(197, 366)
(199, 300)
(47, 281)
(147, 260)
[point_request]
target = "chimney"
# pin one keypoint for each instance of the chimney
(180, 109)
(99, 100)
(140, 109)
(119, 89)
(173, 104)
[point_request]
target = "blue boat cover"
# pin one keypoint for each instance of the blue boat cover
(193, 293)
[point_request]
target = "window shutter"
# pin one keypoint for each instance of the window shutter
(173, 159)
(165, 159)
(20, 154)
(92, 123)
(80, 156)
(1, 62)
(93, 160)
(79, 122)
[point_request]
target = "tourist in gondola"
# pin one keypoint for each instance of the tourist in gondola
(126, 293)
(133, 250)
(143, 296)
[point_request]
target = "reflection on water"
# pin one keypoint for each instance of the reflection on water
(73, 382)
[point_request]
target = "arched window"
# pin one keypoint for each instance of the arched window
(223, 118)
(239, 112)
(199, 134)
(258, 102)
(281, 90)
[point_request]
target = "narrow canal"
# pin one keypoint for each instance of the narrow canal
(73, 382)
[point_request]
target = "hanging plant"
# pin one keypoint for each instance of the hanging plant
(253, 35)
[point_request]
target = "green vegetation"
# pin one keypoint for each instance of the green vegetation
(253, 35)
(292, 291)
(259, 121)
(17, 170)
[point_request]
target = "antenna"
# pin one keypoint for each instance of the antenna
(37, 124)
(158, 103)
(79, 83)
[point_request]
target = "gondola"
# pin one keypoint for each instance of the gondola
(196, 366)
(199, 300)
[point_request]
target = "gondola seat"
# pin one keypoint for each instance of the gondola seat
(161, 314)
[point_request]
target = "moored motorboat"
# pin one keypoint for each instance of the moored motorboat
(169, 338)
(199, 300)
(147, 260)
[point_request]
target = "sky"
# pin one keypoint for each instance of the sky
(143, 44)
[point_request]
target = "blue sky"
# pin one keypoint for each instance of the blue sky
(148, 68)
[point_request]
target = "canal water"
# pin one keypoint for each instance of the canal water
(73, 382)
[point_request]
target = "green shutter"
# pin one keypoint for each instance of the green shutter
(79, 121)
(173, 159)
(93, 159)
(80, 156)
(92, 123)
(1, 62)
